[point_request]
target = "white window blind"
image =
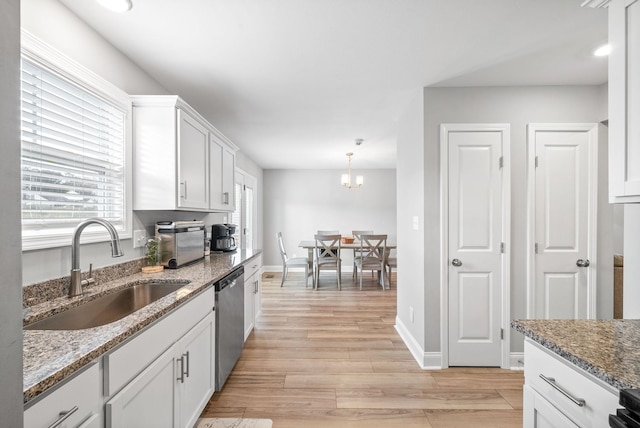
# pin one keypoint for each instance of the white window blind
(73, 154)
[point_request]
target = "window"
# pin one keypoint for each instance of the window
(74, 154)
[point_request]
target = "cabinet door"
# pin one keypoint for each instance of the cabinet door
(197, 385)
(539, 413)
(257, 301)
(248, 305)
(228, 177)
(624, 101)
(193, 142)
(149, 399)
(217, 200)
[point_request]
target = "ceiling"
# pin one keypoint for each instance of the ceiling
(294, 82)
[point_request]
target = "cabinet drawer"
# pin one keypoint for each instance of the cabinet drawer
(252, 266)
(123, 364)
(599, 399)
(82, 391)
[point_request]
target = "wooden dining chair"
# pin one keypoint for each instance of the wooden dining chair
(326, 256)
(292, 262)
(373, 249)
(328, 232)
(356, 251)
(391, 262)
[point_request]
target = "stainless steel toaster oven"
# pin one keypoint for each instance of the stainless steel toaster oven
(181, 242)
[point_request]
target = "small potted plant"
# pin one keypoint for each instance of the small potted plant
(153, 256)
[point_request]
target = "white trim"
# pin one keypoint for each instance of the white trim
(278, 269)
(592, 131)
(516, 361)
(505, 129)
(45, 54)
(426, 360)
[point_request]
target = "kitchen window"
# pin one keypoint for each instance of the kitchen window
(75, 149)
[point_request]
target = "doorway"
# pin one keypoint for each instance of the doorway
(563, 198)
(475, 235)
(245, 215)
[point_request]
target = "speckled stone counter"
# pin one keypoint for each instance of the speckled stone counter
(608, 349)
(51, 356)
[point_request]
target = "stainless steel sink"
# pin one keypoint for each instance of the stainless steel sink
(108, 308)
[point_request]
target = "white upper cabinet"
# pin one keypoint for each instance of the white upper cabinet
(624, 101)
(175, 164)
(222, 169)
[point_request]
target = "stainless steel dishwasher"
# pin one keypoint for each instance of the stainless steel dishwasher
(229, 323)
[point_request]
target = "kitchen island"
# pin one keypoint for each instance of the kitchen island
(51, 356)
(574, 369)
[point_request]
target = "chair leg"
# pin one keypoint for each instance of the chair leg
(361, 275)
(339, 275)
(306, 276)
(284, 275)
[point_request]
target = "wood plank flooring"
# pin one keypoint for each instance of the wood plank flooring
(327, 358)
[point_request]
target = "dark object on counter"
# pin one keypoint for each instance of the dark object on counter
(181, 242)
(222, 238)
(229, 308)
(629, 417)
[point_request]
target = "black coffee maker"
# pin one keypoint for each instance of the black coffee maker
(222, 238)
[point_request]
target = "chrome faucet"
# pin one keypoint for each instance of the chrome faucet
(75, 289)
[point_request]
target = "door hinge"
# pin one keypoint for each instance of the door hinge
(535, 248)
(502, 334)
(501, 162)
(502, 247)
(536, 161)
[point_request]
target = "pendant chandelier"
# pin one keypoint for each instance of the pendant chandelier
(346, 178)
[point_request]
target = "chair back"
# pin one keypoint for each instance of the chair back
(327, 247)
(328, 232)
(373, 248)
(283, 252)
(356, 233)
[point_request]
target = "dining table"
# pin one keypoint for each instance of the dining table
(309, 245)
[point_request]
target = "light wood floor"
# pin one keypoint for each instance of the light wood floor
(328, 358)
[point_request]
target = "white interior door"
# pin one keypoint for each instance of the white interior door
(475, 243)
(564, 198)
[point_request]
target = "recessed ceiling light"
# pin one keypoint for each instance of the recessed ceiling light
(116, 5)
(602, 50)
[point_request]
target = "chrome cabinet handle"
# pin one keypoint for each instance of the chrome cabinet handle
(551, 381)
(583, 263)
(226, 198)
(187, 365)
(181, 377)
(184, 183)
(64, 415)
(456, 262)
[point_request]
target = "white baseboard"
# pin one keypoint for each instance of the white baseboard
(516, 360)
(426, 360)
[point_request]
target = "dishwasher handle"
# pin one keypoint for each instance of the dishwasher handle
(229, 280)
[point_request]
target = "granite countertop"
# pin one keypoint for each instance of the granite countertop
(50, 356)
(608, 349)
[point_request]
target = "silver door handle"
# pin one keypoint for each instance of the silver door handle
(186, 372)
(226, 198)
(456, 262)
(551, 381)
(184, 183)
(583, 263)
(63, 416)
(181, 377)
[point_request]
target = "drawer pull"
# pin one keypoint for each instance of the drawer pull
(64, 415)
(551, 381)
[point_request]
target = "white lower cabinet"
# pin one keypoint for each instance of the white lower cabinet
(560, 394)
(174, 389)
(76, 401)
(252, 294)
(542, 414)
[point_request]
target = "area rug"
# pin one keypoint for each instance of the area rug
(233, 423)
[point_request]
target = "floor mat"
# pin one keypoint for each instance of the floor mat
(233, 423)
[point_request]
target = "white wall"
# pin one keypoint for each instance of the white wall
(54, 24)
(411, 195)
(631, 292)
(300, 202)
(250, 167)
(517, 106)
(11, 302)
